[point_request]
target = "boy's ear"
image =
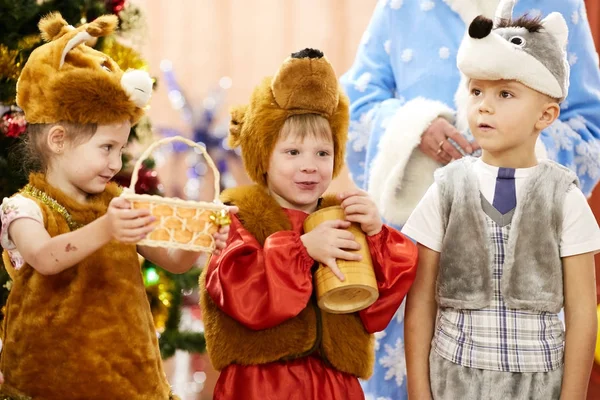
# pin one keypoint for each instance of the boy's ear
(550, 113)
(57, 138)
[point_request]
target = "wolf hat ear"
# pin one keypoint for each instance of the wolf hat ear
(556, 25)
(504, 11)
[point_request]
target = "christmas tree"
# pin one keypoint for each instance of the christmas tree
(19, 36)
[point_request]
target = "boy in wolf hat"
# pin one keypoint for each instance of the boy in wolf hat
(505, 241)
(264, 330)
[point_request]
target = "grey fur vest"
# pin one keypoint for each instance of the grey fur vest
(532, 275)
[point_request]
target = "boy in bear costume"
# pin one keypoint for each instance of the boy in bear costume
(264, 330)
(505, 241)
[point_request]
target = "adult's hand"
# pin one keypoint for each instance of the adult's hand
(435, 144)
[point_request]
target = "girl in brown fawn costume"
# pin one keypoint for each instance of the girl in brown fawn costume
(263, 328)
(77, 322)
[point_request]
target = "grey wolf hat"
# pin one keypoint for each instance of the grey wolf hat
(527, 50)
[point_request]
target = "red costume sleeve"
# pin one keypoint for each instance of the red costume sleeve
(260, 287)
(395, 263)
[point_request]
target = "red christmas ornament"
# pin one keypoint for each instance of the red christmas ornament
(116, 6)
(13, 124)
(123, 179)
(147, 182)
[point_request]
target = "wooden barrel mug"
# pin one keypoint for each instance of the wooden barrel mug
(359, 289)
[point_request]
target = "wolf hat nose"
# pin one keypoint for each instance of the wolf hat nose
(480, 27)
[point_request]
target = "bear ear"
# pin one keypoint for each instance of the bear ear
(235, 125)
(51, 26)
(556, 25)
(102, 26)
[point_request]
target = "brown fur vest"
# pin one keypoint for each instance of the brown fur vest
(84, 333)
(339, 339)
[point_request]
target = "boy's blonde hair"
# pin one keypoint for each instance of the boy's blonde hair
(306, 125)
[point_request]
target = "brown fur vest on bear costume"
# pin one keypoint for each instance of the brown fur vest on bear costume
(84, 333)
(340, 339)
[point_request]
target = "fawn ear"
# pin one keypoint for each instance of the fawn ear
(235, 125)
(103, 25)
(556, 25)
(51, 26)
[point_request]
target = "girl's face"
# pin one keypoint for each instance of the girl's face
(85, 168)
(300, 170)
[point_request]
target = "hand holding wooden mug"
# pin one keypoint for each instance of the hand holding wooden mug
(343, 252)
(330, 240)
(359, 208)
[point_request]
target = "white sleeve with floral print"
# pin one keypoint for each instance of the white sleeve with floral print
(12, 209)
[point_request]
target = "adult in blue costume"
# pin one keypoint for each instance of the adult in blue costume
(407, 120)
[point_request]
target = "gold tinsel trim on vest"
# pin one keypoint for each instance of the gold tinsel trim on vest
(53, 204)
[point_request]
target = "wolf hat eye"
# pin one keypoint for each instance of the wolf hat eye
(517, 40)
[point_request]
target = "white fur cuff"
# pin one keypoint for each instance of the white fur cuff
(400, 173)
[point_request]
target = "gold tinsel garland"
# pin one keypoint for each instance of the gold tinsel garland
(10, 68)
(11, 60)
(123, 55)
(158, 289)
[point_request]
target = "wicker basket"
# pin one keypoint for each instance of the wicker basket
(180, 224)
(359, 289)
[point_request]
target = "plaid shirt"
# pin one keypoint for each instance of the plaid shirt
(496, 337)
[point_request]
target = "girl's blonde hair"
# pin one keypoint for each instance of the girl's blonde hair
(34, 147)
(303, 125)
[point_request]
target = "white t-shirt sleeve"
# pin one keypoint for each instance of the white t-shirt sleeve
(425, 223)
(580, 232)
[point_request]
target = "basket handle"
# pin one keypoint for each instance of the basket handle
(153, 146)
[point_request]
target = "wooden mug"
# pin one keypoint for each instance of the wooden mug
(359, 289)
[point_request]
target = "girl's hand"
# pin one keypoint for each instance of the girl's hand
(329, 241)
(223, 233)
(359, 208)
(126, 224)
